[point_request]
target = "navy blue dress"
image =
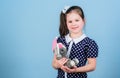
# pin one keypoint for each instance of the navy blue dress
(86, 48)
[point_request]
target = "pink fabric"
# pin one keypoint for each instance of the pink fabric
(60, 45)
(54, 43)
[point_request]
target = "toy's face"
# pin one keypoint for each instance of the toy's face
(63, 51)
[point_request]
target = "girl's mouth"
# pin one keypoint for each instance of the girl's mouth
(74, 27)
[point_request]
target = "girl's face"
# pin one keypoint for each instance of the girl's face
(74, 23)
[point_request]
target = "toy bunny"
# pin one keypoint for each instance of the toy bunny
(60, 50)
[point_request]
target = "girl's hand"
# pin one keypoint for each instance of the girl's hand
(69, 70)
(64, 68)
(58, 63)
(72, 70)
(61, 62)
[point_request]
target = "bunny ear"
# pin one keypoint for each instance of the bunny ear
(60, 45)
(54, 43)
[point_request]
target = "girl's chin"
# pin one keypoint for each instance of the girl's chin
(76, 32)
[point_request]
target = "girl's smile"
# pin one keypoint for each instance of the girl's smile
(74, 23)
(75, 27)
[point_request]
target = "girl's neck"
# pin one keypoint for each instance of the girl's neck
(75, 35)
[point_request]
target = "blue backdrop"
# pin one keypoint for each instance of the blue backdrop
(27, 28)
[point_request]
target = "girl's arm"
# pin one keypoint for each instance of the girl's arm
(58, 63)
(90, 66)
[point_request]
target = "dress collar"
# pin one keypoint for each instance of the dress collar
(68, 38)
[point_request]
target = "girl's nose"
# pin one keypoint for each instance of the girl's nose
(73, 23)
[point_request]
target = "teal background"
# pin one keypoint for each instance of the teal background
(27, 28)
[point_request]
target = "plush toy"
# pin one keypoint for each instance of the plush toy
(60, 50)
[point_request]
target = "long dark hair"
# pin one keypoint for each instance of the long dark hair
(63, 30)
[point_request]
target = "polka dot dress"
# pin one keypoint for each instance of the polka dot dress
(86, 48)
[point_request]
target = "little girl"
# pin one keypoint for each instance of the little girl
(79, 46)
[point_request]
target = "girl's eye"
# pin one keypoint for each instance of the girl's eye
(69, 21)
(76, 20)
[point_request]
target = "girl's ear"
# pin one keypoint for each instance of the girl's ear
(84, 20)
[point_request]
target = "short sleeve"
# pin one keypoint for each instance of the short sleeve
(59, 40)
(92, 51)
